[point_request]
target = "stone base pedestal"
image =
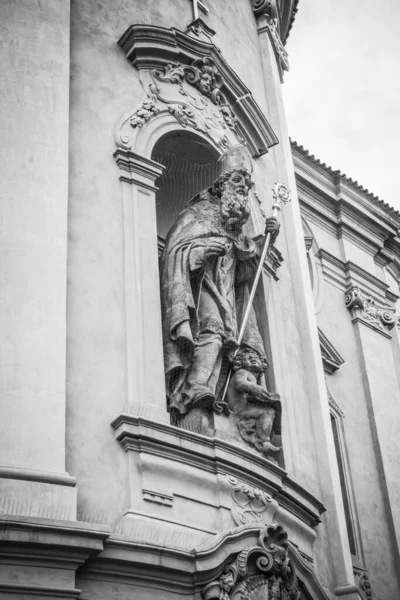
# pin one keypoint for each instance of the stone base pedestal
(184, 483)
(39, 557)
(50, 496)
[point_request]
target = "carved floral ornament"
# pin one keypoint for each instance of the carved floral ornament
(263, 571)
(192, 95)
(365, 308)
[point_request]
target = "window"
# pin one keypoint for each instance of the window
(349, 504)
(346, 503)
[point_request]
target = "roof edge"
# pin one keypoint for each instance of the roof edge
(338, 174)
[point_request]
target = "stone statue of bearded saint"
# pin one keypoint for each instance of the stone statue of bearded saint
(206, 272)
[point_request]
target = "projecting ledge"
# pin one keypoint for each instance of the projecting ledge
(80, 536)
(189, 567)
(212, 461)
(27, 474)
(43, 554)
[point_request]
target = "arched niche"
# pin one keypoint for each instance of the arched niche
(191, 165)
(179, 122)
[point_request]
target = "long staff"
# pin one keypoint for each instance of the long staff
(281, 196)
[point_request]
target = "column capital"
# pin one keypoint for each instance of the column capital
(364, 308)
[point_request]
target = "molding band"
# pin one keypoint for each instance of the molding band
(37, 590)
(27, 474)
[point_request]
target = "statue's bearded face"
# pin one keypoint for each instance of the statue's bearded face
(235, 209)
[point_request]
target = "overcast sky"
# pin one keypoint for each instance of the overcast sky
(342, 93)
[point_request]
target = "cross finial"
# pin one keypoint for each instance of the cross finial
(196, 5)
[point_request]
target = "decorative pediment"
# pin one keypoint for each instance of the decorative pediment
(189, 80)
(331, 358)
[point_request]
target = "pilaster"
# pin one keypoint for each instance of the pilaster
(33, 244)
(145, 370)
(374, 328)
(308, 333)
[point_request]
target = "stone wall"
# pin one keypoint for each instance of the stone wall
(142, 506)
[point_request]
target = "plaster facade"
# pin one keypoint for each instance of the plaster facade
(101, 496)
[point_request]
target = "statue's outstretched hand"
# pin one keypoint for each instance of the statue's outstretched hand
(215, 248)
(272, 226)
(203, 252)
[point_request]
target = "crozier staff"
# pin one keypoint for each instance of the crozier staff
(205, 272)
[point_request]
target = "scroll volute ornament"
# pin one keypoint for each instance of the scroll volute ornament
(364, 307)
(258, 572)
(265, 7)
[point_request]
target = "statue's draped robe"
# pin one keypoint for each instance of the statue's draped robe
(203, 299)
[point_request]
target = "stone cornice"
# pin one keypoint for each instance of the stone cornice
(358, 276)
(331, 358)
(287, 10)
(301, 155)
(186, 571)
(47, 544)
(342, 215)
(347, 274)
(138, 433)
(138, 169)
(27, 474)
(82, 535)
(269, 24)
(333, 268)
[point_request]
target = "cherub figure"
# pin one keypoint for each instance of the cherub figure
(257, 411)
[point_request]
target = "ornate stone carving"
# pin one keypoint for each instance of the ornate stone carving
(250, 505)
(192, 94)
(207, 110)
(363, 584)
(308, 242)
(150, 48)
(364, 308)
(197, 100)
(263, 571)
(333, 404)
(280, 49)
(158, 497)
(145, 111)
(265, 7)
(184, 115)
(256, 411)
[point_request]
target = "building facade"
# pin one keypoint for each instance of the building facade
(116, 116)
